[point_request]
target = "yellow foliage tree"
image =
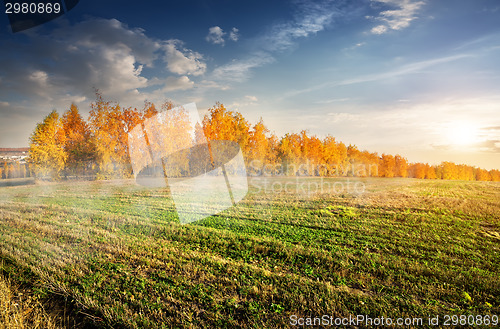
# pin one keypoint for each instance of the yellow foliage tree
(387, 165)
(258, 148)
(334, 155)
(401, 166)
(222, 124)
(46, 153)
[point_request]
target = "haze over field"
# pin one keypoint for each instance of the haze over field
(418, 78)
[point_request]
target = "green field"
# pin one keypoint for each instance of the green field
(115, 250)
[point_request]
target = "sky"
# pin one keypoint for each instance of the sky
(420, 78)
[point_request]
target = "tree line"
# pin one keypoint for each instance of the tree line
(69, 146)
(14, 169)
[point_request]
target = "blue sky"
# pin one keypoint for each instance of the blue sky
(416, 77)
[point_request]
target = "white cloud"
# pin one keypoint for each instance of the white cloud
(334, 100)
(38, 77)
(354, 47)
(248, 100)
(215, 35)
(238, 70)
(313, 18)
(233, 35)
(341, 117)
(181, 83)
(209, 84)
(402, 70)
(123, 73)
(109, 33)
(379, 29)
(183, 61)
(399, 18)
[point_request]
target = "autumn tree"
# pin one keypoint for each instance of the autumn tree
(222, 124)
(46, 153)
(353, 160)
(258, 147)
(5, 173)
(16, 169)
(110, 125)
(417, 170)
(290, 153)
(106, 128)
(449, 170)
(22, 170)
(364, 163)
(466, 172)
(79, 144)
(272, 163)
(401, 166)
(387, 165)
(373, 164)
(495, 175)
(334, 155)
(169, 132)
(304, 153)
(482, 175)
(313, 154)
(439, 172)
(12, 171)
(430, 172)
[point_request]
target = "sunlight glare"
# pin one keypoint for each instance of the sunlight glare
(461, 133)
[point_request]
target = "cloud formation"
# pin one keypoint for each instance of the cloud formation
(311, 17)
(238, 70)
(233, 35)
(101, 53)
(399, 18)
(54, 68)
(217, 36)
(245, 101)
(492, 146)
(181, 83)
(181, 60)
(70, 60)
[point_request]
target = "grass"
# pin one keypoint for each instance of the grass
(115, 250)
(16, 181)
(19, 311)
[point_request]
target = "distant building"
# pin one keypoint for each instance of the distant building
(14, 154)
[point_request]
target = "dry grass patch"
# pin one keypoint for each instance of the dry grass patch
(19, 310)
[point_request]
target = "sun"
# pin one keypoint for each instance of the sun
(462, 133)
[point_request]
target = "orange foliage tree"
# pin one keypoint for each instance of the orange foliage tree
(79, 144)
